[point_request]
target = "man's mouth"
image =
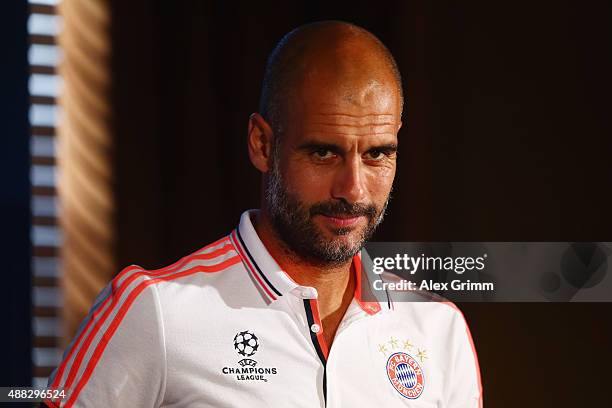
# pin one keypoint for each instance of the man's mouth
(341, 220)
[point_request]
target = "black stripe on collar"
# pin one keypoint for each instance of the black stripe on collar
(255, 263)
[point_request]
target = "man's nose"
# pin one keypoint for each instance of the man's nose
(349, 181)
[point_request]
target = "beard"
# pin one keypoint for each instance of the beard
(293, 222)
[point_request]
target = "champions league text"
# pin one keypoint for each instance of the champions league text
(250, 373)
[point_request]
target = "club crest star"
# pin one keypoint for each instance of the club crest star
(393, 342)
(422, 355)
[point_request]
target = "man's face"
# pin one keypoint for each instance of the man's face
(332, 174)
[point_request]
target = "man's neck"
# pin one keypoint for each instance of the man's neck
(334, 284)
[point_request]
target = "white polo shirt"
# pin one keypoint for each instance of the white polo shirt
(226, 327)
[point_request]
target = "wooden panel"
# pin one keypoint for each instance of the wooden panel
(45, 161)
(45, 281)
(46, 251)
(88, 171)
(42, 69)
(46, 341)
(43, 371)
(42, 39)
(43, 9)
(43, 100)
(44, 191)
(46, 311)
(43, 131)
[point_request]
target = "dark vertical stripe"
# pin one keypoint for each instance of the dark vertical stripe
(313, 336)
(15, 244)
(317, 346)
(325, 383)
(246, 250)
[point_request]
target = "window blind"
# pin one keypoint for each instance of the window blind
(44, 55)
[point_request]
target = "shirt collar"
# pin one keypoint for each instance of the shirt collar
(271, 281)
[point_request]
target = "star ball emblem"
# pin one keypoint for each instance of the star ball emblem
(246, 343)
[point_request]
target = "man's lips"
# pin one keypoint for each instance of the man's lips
(341, 221)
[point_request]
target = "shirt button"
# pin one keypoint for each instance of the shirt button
(315, 328)
(309, 293)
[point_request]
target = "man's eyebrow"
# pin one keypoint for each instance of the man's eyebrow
(355, 116)
(313, 145)
(388, 147)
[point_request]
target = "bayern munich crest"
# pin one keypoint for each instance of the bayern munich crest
(405, 375)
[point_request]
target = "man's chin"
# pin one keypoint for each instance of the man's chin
(343, 239)
(332, 247)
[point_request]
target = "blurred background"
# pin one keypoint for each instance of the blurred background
(122, 140)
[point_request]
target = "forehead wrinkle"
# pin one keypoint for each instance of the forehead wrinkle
(353, 115)
(353, 130)
(354, 120)
(352, 134)
(353, 124)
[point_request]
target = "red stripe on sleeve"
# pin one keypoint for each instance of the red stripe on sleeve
(115, 296)
(124, 309)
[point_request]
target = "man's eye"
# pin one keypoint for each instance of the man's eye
(376, 155)
(323, 154)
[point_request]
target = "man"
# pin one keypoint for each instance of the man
(273, 315)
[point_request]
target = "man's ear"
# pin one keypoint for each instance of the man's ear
(259, 141)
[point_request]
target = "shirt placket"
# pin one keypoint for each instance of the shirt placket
(305, 306)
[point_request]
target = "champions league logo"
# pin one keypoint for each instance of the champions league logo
(246, 344)
(405, 375)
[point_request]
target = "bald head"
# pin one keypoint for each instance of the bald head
(332, 92)
(346, 59)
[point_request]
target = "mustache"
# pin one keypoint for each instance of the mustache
(342, 208)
